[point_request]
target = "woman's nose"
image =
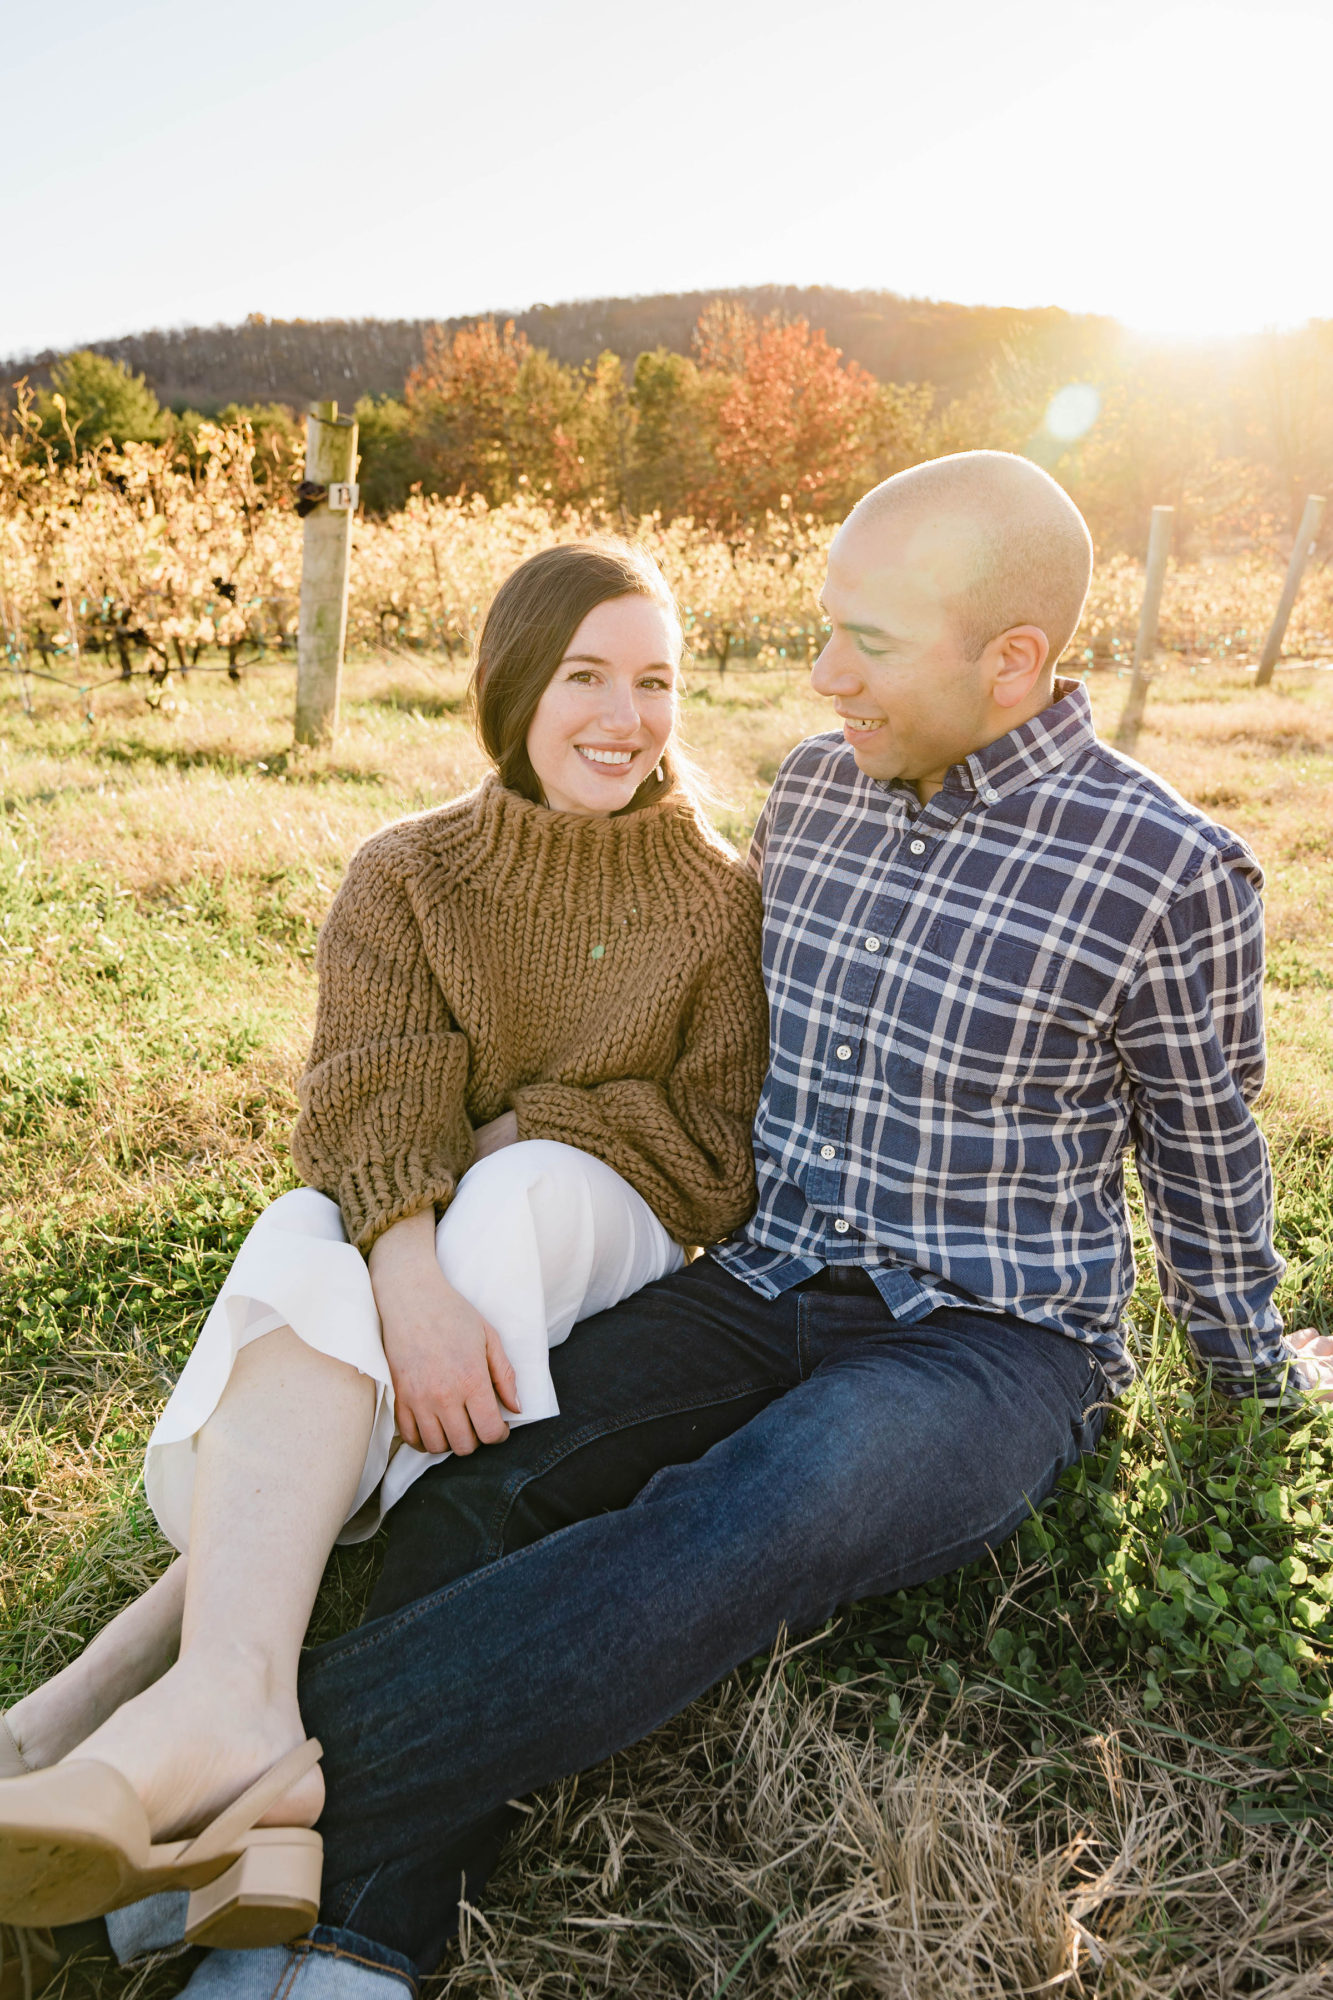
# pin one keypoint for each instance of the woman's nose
(620, 711)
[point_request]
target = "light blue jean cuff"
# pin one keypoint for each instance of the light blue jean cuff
(328, 1965)
(156, 1924)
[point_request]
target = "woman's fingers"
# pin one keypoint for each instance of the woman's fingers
(487, 1417)
(501, 1369)
(459, 1434)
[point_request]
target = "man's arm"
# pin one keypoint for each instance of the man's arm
(1191, 1037)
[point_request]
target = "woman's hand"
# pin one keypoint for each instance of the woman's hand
(502, 1131)
(452, 1381)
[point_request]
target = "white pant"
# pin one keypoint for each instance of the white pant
(538, 1237)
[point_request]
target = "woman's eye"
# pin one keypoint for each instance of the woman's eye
(580, 674)
(655, 684)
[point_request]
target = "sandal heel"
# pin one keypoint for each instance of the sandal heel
(269, 1896)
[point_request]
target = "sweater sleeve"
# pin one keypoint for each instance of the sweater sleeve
(684, 1142)
(383, 1127)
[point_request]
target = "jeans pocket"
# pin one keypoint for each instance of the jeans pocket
(1089, 1425)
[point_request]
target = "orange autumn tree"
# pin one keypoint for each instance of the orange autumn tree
(788, 415)
(458, 404)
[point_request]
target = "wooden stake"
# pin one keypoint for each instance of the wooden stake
(1306, 536)
(330, 460)
(1159, 548)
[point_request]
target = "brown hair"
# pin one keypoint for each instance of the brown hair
(532, 618)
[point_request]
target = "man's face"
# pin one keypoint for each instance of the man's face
(895, 666)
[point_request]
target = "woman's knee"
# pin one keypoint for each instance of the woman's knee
(304, 1212)
(516, 1169)
(536, 1184)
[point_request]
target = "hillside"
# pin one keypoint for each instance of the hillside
(295, 361)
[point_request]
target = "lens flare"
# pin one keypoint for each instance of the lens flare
(1072, 412)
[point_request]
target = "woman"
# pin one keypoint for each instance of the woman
(540, 1021)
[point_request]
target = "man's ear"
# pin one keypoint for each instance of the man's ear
(1017, 659)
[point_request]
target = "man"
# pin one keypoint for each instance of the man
(998, 956)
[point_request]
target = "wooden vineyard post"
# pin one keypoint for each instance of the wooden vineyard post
(1159, 548)
(327, 499)
(1302, 550)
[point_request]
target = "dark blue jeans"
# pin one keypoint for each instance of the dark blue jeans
(723, 1465)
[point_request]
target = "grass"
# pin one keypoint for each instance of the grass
(1097, 1762)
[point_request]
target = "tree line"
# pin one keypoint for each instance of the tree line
(760, 411)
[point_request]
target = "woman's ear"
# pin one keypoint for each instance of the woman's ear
(1017, 660)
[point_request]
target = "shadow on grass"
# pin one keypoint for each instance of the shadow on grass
(421, 707)
(284, 764)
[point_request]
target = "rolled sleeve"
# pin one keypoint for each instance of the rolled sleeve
(1191, 1038)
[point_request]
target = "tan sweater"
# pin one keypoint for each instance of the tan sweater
(600, 977)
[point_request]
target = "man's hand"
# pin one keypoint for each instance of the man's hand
(501, 1131)
(1316, 1350)
(452, 1381)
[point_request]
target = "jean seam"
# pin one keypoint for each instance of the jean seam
(803, 1367)
(354, 1958)
(556, 1454)
(287, 1977)
(363, 1886)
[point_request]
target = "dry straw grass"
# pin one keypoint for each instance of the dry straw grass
(769, 1846)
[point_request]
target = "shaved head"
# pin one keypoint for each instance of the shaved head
(999, 542)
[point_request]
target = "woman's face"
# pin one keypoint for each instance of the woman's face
(609, 708)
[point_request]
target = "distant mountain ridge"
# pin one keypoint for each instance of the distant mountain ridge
(301, 361)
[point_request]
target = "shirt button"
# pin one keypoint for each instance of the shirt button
(841, 1226)
(827, 1152)
(918, 847)
(989, 794)
(872, 944)
(843, 1051)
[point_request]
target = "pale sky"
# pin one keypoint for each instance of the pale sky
(166, 163)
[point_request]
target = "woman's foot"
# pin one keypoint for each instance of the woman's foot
(193, 1742)
(126, 1657)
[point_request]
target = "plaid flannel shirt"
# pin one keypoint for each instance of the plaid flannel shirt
(978, 1007)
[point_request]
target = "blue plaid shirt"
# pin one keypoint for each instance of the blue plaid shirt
(978, 1007)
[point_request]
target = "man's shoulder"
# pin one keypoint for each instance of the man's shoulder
(1133, 810)
(820, 761)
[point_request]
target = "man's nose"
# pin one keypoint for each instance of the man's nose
(835, 672)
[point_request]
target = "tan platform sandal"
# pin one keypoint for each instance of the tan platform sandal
(75, 1843)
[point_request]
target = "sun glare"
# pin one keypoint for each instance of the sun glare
(1072, 412)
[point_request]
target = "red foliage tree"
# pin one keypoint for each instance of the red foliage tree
(792, 418)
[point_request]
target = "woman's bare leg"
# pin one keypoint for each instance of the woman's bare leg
(127, 1656)
(279, 1462)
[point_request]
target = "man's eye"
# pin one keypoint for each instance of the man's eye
(869, 651)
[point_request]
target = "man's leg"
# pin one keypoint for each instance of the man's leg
(655, 1381)
(901, 1453)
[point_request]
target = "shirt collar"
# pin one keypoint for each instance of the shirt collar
(1061, 732)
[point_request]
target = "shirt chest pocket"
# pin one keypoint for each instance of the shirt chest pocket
(1002, 1015)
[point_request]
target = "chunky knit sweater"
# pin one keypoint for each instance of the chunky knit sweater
(598, 976)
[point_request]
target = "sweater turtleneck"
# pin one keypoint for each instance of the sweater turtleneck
(597, 975)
